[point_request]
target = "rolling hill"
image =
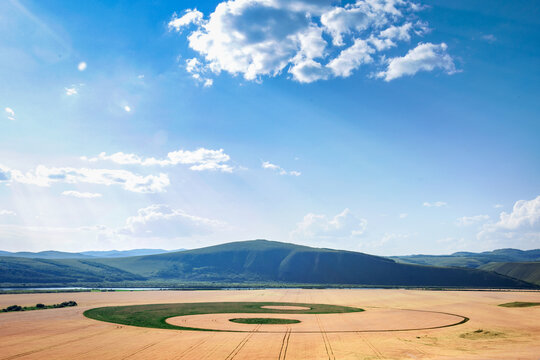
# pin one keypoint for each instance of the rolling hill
(257, 261)
(526, 271)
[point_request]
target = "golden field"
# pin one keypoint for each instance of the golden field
(377, 333)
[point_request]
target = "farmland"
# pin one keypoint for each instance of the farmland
(396, 324)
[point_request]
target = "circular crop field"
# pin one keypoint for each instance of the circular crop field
(156, 315)
(278, 317)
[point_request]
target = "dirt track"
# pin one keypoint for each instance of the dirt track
(507, 333)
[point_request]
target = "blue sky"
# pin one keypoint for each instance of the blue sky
(383, 126)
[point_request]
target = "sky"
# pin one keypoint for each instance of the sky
(389, 127)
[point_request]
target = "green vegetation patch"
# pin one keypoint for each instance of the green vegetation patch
(13, 308)
(481, 334)
(155, 315)
(520, 304)
(264, 321)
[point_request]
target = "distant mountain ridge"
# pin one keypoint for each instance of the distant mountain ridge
(255, 261)
(470, 259)
(51, 254)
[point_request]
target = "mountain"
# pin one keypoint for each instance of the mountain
(526, 271)
(84, 254)
(46, 255)
(470, 259)
(257, 261)
(126, 253)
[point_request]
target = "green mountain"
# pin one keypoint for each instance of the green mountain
(470, 259)
(526, 271)
(258, 261)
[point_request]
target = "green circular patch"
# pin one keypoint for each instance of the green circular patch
(264, 321)
(155, 315)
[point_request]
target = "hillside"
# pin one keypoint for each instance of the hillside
(257, 261)
(470, 259)
(526, 271)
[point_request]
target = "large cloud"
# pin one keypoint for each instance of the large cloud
(522, 225)
(343, 225)
(200, 159)
(163, 221)
(311, 40)
(45, 176)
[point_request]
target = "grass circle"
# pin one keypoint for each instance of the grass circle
(156, 315)
(264, 321)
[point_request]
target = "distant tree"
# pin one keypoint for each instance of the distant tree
(40, 306)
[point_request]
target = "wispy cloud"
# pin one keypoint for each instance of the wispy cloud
(435, 204)
(10, 113)
(471, 220)
(45, 176)
(268, 165)
(7, 212)
(81, 195)
(343, 225)
(200, 159)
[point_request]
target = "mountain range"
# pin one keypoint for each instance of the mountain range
(245, 262)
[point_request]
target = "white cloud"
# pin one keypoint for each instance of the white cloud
(71, 91)
(7, 212)
(81, 195)
(200, 159)
(471, 220)
(343, 225)
(424, 57)
(351, 58)
(10, 113)
(403, 216)
(45, 176)
(82, 66)
(268, 165)
(256, 38)
(164, 221)
(498, 206)
(522, 225)
(490, 38)
(191, 16)
(434, 204)
(127, 108)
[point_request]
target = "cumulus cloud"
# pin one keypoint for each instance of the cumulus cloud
(7, 212)
(434, 204)
(81, 195)
(200, 159)
(521, 225)
(10, 113)
(82, 66)
(311, 40)
(471, 220)
(164, 221)
(127, 108)
(343, 225)
(424, 57)
(268, 165)
(45, 176)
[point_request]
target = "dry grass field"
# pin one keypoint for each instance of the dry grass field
(493, 332)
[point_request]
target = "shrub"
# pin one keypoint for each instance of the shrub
(40, 306)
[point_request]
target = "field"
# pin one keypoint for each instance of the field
(396, 324)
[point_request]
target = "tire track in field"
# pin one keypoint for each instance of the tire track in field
(193, 347)
(284, 344)
(26, 353)
(141, 349)
(242, 343)
(326, 341)
(371, 346)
